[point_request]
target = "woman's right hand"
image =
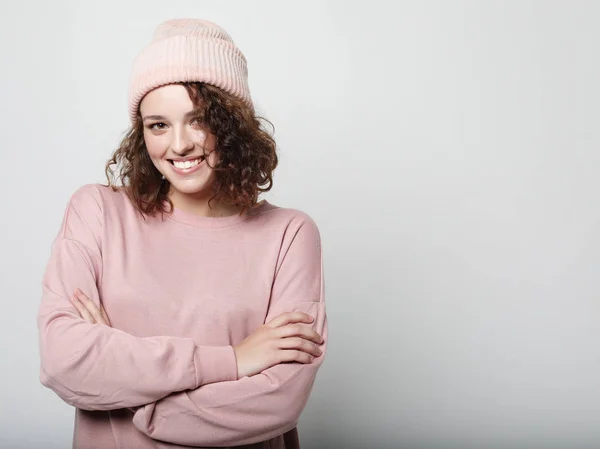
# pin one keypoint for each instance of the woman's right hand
(283, 339)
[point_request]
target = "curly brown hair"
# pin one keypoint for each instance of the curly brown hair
(247, 155)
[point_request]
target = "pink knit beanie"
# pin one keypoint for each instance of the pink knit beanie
(184, 50)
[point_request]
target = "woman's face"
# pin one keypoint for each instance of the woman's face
(176, 142)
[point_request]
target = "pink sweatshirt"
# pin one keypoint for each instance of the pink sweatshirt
(179, 293)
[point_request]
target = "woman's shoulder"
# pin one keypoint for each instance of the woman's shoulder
(287, 217)
(97, 198)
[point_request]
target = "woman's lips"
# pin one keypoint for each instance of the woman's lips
(187, 171)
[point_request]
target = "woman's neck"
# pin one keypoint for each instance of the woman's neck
(200, 206)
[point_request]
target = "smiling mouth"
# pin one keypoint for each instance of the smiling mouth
(184, 165)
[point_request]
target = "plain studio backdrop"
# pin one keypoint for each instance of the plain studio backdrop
(448, 151)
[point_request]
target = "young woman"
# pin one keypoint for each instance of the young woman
(178, 308)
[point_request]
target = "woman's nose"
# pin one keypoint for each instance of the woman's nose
(181, 142)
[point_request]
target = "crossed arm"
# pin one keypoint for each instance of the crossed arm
(244, 411)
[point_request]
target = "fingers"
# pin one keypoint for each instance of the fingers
(297, 330)
(290, 317)
(83, 311)
(104, 315)
(90, 311)
(295, 356)
(301, 344)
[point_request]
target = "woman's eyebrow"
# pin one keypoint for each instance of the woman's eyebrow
(153, 117)
(193, 113)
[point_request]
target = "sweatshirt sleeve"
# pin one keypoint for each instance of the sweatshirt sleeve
(96, 367)
(260, 407)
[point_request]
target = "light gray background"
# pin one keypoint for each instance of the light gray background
(448, 151)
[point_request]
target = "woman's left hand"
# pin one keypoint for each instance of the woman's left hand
(88, 310)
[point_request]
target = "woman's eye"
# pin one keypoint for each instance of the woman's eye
(158, 126)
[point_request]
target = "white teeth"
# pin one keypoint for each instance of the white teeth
(186, 164)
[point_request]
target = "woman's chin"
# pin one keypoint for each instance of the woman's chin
(190, 188)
